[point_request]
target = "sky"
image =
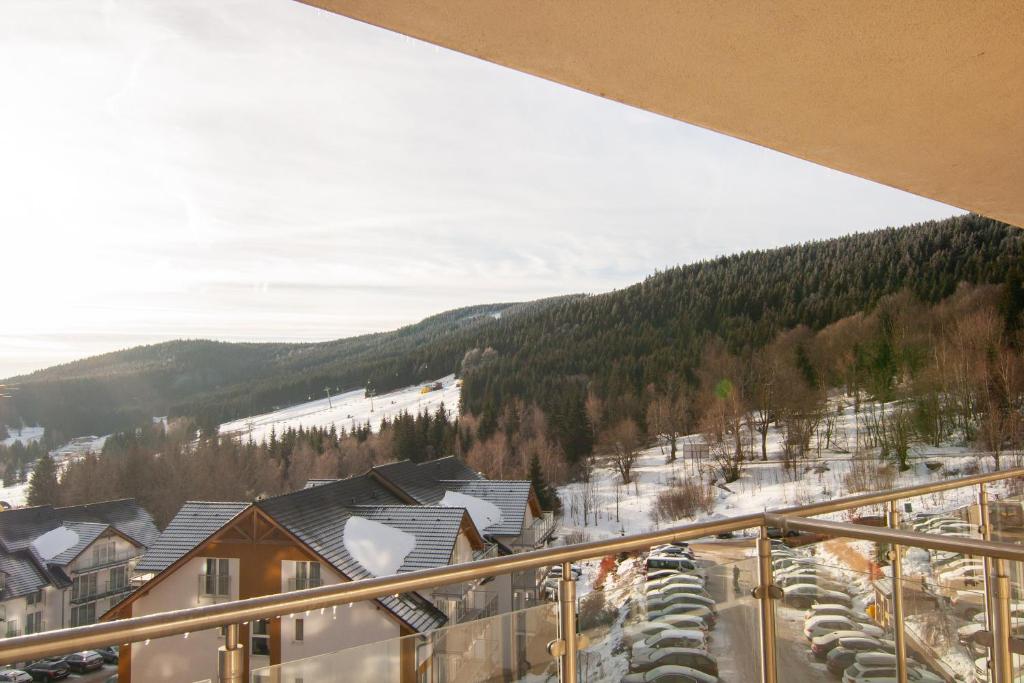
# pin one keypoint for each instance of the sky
(262, 170)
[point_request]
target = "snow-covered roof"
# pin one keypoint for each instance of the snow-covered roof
(379, 548)
(483, 513)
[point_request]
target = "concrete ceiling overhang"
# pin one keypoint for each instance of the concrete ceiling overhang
(926, 96)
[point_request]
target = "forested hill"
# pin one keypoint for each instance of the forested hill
(547, 352)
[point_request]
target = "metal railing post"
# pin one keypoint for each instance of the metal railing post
(899, 633)
(766, 592)
(985, 528)
(567, 624)
(1002, 660)
(230, 657)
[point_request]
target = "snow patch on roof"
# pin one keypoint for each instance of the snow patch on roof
(54, 542)
(484, 513)
(379, 548)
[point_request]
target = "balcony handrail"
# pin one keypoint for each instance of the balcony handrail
(178, 622)
(119, 557)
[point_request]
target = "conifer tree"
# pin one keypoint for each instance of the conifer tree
(43, 488)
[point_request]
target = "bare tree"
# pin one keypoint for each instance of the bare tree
(624, 441)
(667, 416)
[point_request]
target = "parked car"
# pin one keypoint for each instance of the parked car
(821, 609)
(966, 604)
(680, 564)
(818, 626)
(778, 532)
(968, 635)
(679, 656)
(82, 662)
(52, 669)
(965, 577)
(879, 667)
(826, 642)
(803, 595)
(688, 609)
(673, 637)
(556, 571)
(842, 657)
(676, 580)
(661, 602)
(15, 675)
(659, 574)
(111, 655)
(112, 679)
(815, 579)
(670, 674)
(677, 589)
(674, 550)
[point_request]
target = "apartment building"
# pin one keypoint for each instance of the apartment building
(396, 518)
(62, 567)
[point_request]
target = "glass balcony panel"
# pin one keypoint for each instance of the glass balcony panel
(704, 619)
(505, 647)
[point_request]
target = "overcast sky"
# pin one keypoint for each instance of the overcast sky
(262, 170)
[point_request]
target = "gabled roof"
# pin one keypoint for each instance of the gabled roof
(87, 532)
(24, 574)
(195, 522)
(27, 571)
(420, 481)
(511, 497)
(435, 528)
(125, 515)
(317, 517)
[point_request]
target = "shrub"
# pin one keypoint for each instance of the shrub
(685, 499)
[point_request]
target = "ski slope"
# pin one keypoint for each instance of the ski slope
(347, 410)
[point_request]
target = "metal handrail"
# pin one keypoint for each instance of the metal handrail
(178, 622)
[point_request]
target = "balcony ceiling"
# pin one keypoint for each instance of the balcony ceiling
(924, 96)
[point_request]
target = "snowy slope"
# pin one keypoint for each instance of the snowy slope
(762, 485)
(347, 410)
(25, 435)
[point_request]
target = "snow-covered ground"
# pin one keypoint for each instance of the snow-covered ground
(17, 495)
(615, 509)
(25, 435)
(347, 410)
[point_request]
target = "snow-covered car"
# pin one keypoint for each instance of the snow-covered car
(694, 658)
(966, 604)
(968, 635)
(556, 571)
(642, 630)
(685, 609)
(820, 609)
(803, 595)
(659, 574)
(781, 563)
(880, 667)
(672, 551)
(680, 564)
(843, 656)
(955, 562)
(815, 579)
(670, 674)
(823, 644)
(819, 626)
(659, 603)
(676, 589)
(673, 637)
(968, 576)
(15, 676)
(954, 528)
(676, 580)
(926, 525)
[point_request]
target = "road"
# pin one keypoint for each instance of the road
(736, 640)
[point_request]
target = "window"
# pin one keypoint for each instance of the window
(33, 623)
(216, 580)
(307, 575)
(83, 615)
(83, 587)
(12, 628)
(300, 630)
(261, 637)
(103, 552)
(35, 598)
(118, 578)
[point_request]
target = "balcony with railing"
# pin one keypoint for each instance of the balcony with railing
(755, 590)
(107, 589)
(537, 533)
(101, 561)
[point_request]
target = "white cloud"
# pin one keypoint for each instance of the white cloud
(258, 169)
